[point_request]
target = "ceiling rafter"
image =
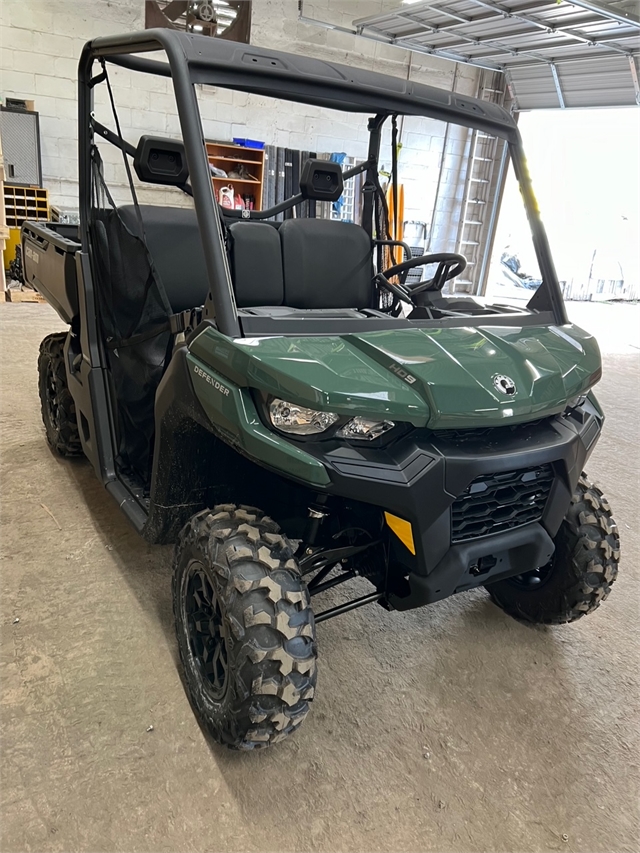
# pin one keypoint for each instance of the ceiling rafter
(570, 39)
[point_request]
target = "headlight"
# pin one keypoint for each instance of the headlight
(364, 428)
(289, 417)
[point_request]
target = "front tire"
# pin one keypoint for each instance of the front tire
(245, 628)
(580, 573)
(56, 402)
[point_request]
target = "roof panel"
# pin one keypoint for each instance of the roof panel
(292, 77)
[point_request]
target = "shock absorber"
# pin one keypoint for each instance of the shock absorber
(317, 513)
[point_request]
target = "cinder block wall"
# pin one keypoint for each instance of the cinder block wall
(41, 42)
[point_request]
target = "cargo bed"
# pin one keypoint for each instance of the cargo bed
(49, 261)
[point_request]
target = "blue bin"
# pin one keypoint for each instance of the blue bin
(248, 143)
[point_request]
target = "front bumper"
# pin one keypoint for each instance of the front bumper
(418, 477)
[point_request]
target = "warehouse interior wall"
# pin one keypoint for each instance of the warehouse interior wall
(41, 43)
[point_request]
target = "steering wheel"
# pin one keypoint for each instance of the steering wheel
(450, 265)
(400, 291)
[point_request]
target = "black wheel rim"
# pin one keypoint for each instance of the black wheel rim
(52, 397)
(205, 629)
(533, 580)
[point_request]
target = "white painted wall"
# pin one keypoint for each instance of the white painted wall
(41, 41)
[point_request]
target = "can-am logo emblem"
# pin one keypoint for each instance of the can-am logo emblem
(504, 384)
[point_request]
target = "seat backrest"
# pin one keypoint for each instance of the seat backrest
(256, 264)
(326, 264)
(305, 263)
(174, 243)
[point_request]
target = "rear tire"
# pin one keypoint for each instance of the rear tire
(582, 569)
(56, 402)
(245, 628)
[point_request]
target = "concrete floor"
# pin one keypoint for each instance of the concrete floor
(451, 728)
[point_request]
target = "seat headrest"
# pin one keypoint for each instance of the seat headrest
(256, 264)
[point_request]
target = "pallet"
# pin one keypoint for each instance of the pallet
(23, 296)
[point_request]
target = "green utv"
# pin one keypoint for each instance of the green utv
(276, 395)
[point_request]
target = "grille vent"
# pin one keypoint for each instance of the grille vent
(497, 502)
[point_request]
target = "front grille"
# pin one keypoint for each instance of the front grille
(488, 434)
(498, 502)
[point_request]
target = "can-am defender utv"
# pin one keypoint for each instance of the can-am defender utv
(292, 413)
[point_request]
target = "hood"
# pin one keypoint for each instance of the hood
(440, 378)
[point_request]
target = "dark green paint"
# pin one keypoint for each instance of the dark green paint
(235, 417)
(453, 370)
(326, 373)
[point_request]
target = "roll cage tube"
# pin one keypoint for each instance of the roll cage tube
(548, 297)
(198, 59)
(208, 220)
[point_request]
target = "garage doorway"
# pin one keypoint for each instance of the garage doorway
(586, 172)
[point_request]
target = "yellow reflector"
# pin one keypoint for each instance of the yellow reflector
(402, 529)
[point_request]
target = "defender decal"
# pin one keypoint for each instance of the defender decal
(211, 380)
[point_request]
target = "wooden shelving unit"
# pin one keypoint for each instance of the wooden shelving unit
(25, 203)
(227, 156)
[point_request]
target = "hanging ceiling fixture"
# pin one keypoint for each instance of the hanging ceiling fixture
(227, 19)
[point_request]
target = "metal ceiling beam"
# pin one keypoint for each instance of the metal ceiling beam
(488, 34)
(472, 40)
(601, 9)
(446, 54)
(419, 8)
(457, 16)
(497, 61)
(545, 25)
(489, 41)
(479, 41)
(541, 29)
(573, 56)
(389, 16)
(608, 12)
(558, 61)
(501, 14)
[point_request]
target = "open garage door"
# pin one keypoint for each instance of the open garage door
(554, 54)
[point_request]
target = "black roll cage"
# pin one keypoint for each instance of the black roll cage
(199, 59)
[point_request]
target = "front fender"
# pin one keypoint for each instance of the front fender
(233, 415)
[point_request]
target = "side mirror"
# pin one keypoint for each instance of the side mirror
(321, 180)
(159, 160)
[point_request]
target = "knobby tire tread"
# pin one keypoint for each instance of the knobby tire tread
(270, 626)
(585, 565)
(61, 431)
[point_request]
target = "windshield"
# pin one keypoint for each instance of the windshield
(513, 273)
(435, 187)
